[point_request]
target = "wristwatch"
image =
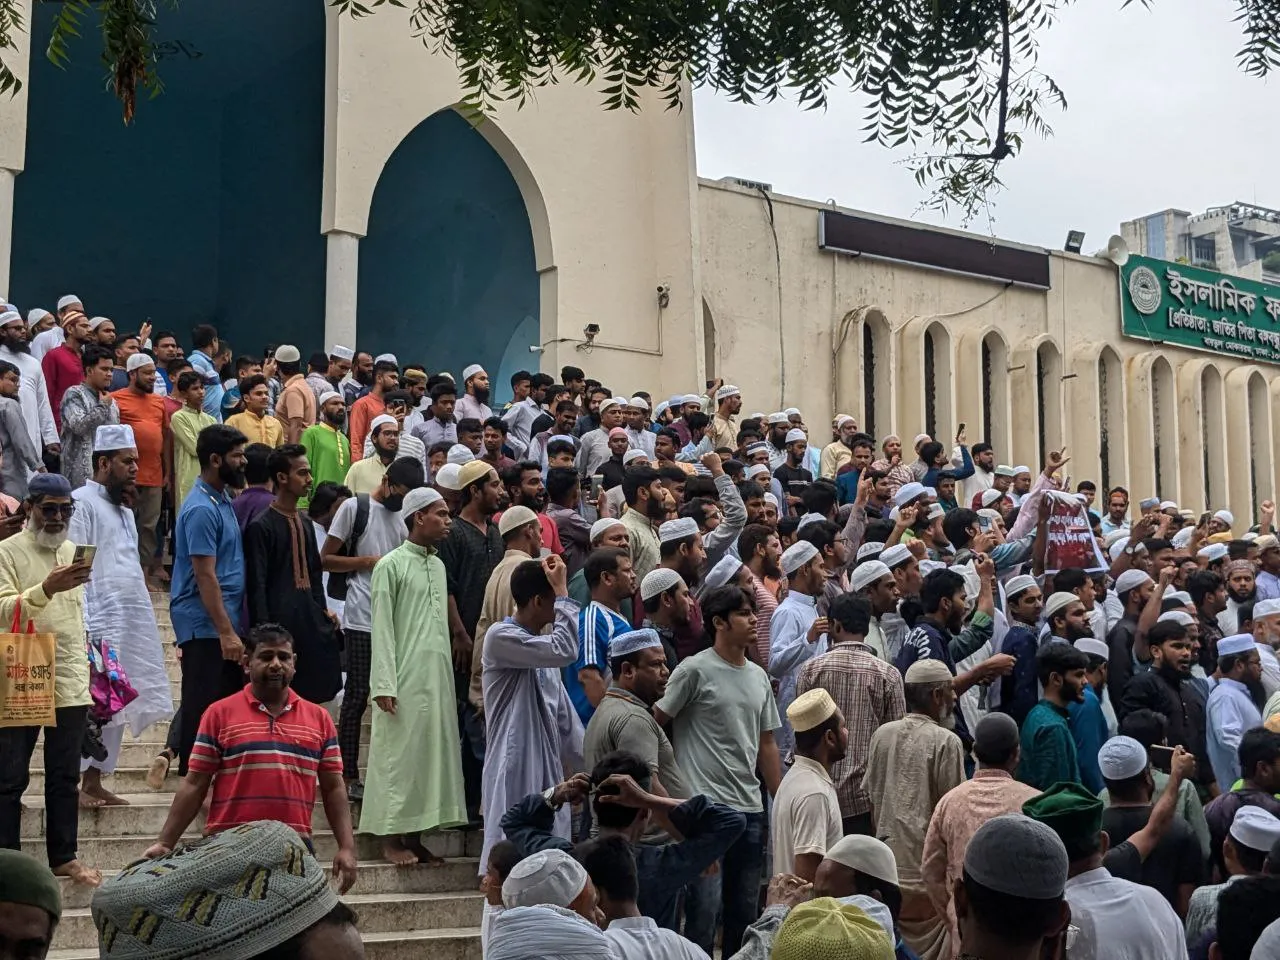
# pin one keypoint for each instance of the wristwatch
(549, 796)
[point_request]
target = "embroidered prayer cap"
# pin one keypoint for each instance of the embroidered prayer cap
(936, 510)
(288, 353)
(1094, 646)
(1168, 505)
(758, 447)
(447, 477)
(27, 881)
(796, 435)
(1266, 608)
(908, 492)
(70, 300)
(871, 548)
(755, 470)
(677, 529)
(459, 454)
(828, 929)
(386, 358)
(865, 574)
(1148, 503)
(1213, 552)
(1058, 601)
(812, 708)
(96, 322)
(1121, 758)
(631, 456)
(662, 407)
(1267, 541)
(341, 352)
(419, 498)
(658, 581)
(769, 498)
(1225, 516)
(775, 419)
(797, 555)
(1255, 827)
(1021, 469)
(927, 670)
(633, 641)
(515, 517)
(234, 895)
(609, 404)
(113, 436)
(1180, 617)
(470, 371)
(1015, 855)
(1073, 812)
(472, 471)
(809, 518)
(724, 393)
(919, 439)
(1236, 643)
(327, 396)
(1131, 578)
(895, 556)
(1236, 566)
(726, 569)
(639, 403)
(600, 526)
(1182, 538)
(840, 419)
(1004, 470)
(990, 496)
(547, 877)
(35, 316)
(137, 360)
(11, 316)
(48, 485)
(1019, 584)
(866, 855)
(694, 398)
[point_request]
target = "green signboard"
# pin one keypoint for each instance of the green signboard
(1200, 309)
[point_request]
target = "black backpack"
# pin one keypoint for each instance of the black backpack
(337, 589)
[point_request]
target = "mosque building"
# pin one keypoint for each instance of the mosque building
(309, 177)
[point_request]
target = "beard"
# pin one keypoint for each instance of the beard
(481, 394)
(655, 509)
(771, 569)
(121, 492)
(18, 346)
(948, 720)
(1247, 597)
(232, 478)
(48, 539)
(362, 377)
(336, 419)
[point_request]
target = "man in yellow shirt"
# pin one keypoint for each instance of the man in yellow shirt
(723, 432)
(254, 422)
(40, 582)
(185, 425)
(365, 475)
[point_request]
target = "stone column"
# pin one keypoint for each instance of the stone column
(6, 227)
(342, 273)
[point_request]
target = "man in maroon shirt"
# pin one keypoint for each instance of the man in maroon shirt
(61, 365)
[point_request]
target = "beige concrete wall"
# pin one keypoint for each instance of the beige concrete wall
(818, 303)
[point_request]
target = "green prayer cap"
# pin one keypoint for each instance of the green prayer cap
(27, 881)
(1073, 813)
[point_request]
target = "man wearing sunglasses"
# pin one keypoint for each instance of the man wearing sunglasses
(40, 581)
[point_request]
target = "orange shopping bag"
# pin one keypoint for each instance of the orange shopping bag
(27, 682)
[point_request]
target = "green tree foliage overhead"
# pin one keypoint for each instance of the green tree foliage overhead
(955, 82)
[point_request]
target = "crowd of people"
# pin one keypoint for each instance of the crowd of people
(705, 680)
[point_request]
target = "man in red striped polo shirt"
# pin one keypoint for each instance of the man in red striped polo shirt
(263, 751)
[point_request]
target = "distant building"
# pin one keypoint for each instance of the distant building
(1234, 239)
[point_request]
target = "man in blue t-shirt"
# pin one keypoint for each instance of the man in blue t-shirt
(611, 580)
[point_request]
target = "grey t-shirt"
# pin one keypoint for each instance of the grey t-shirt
(720, 712)
(622, 722)
(384, 532)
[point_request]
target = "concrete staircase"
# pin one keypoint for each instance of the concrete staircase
(405, 912)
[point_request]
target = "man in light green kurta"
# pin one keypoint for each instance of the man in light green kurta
(414, 781)
(327, 449)
(186, 425)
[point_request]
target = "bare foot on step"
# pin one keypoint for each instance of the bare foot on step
(89, 802)
(415, 846)
(394, 851)
(77, 872)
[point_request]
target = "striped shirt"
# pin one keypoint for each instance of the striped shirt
(597, 625)
(264, 767)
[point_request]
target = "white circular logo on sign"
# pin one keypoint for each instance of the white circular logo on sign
(1144, 290)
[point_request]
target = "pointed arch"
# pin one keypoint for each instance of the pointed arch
(1111, 417)
(938, 417)
(1164, 420)
(1261, 477)
(995, 392)
(876, 374)
(1213, 465)
(708, 340)
(1049, 374)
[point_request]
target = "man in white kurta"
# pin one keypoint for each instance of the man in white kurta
(533, 733)
(117, 605)
(33, 395)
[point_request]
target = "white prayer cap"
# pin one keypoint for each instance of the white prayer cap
(755, 470)
(1094, 646)
(137, 360)
(865, 574)
(989, 514)
(1148, 503)
(895, 556)
(633, 641)
(446, 373)
(1131, 578)
(796, 435)
(327, 396)
(1114, 537)
(869, 549)
(677, 529)
(1213, 552)
(692, 398)
(341, 352)
(908, 492)
(1180, 617)
(726, 569)
(919, 439)
(757, 416)
(1021, 469)
(547, 877)
(1267, 541)
(928, 566)
(841, 419)
(447, 476)
(936, 510)
(1121, 758)
(792, 412)
(600, 526)
(809, 518)
(777, 418)
(1180, 595)
(36, 315)
(1248, 535)
(1168, 505)
(115, 436)
(96, 322)
(631, 456)
(797, 555)
(811, 709)
(419, 498)
(1058, 601)
(382, 420)
(724, 393)
(610, 403)
(640, 403)
(662, 407)
(1182, 538)
(1017, 856)
(515, 517)
(658, 580)
(867, 855)
(1266, 608)
(769, 498)
(10, 316)
(1018, 584)
(1236, 643)
(1255, 827)
(386, 358)
(70, 300)
(287, 353)
(1004, 470)
(471, 371)
(990, 496)
(460, 453)
(928, 670)
(1225, 516)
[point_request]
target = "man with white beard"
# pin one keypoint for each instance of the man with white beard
(116, 602)
(41, 582)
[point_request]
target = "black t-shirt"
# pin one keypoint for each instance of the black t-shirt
(1175, 860)
(786, 473)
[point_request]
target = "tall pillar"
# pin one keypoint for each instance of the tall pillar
(342, 273)
(6, 227)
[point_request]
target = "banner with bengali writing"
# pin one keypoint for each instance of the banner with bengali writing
(1200, 309)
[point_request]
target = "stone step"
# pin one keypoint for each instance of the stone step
(139, 754)
(378, 913)
(462, 943)
(456, 875)
(116, 852)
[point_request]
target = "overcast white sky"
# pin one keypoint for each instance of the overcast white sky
(1158, 116)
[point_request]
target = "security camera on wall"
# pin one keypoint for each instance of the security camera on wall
(590, 331)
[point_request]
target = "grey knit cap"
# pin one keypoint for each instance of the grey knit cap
(1018, 856)
(230, 896)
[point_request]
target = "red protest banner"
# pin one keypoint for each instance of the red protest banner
(1071, 542)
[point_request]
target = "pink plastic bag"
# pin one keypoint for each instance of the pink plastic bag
(109, 688)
